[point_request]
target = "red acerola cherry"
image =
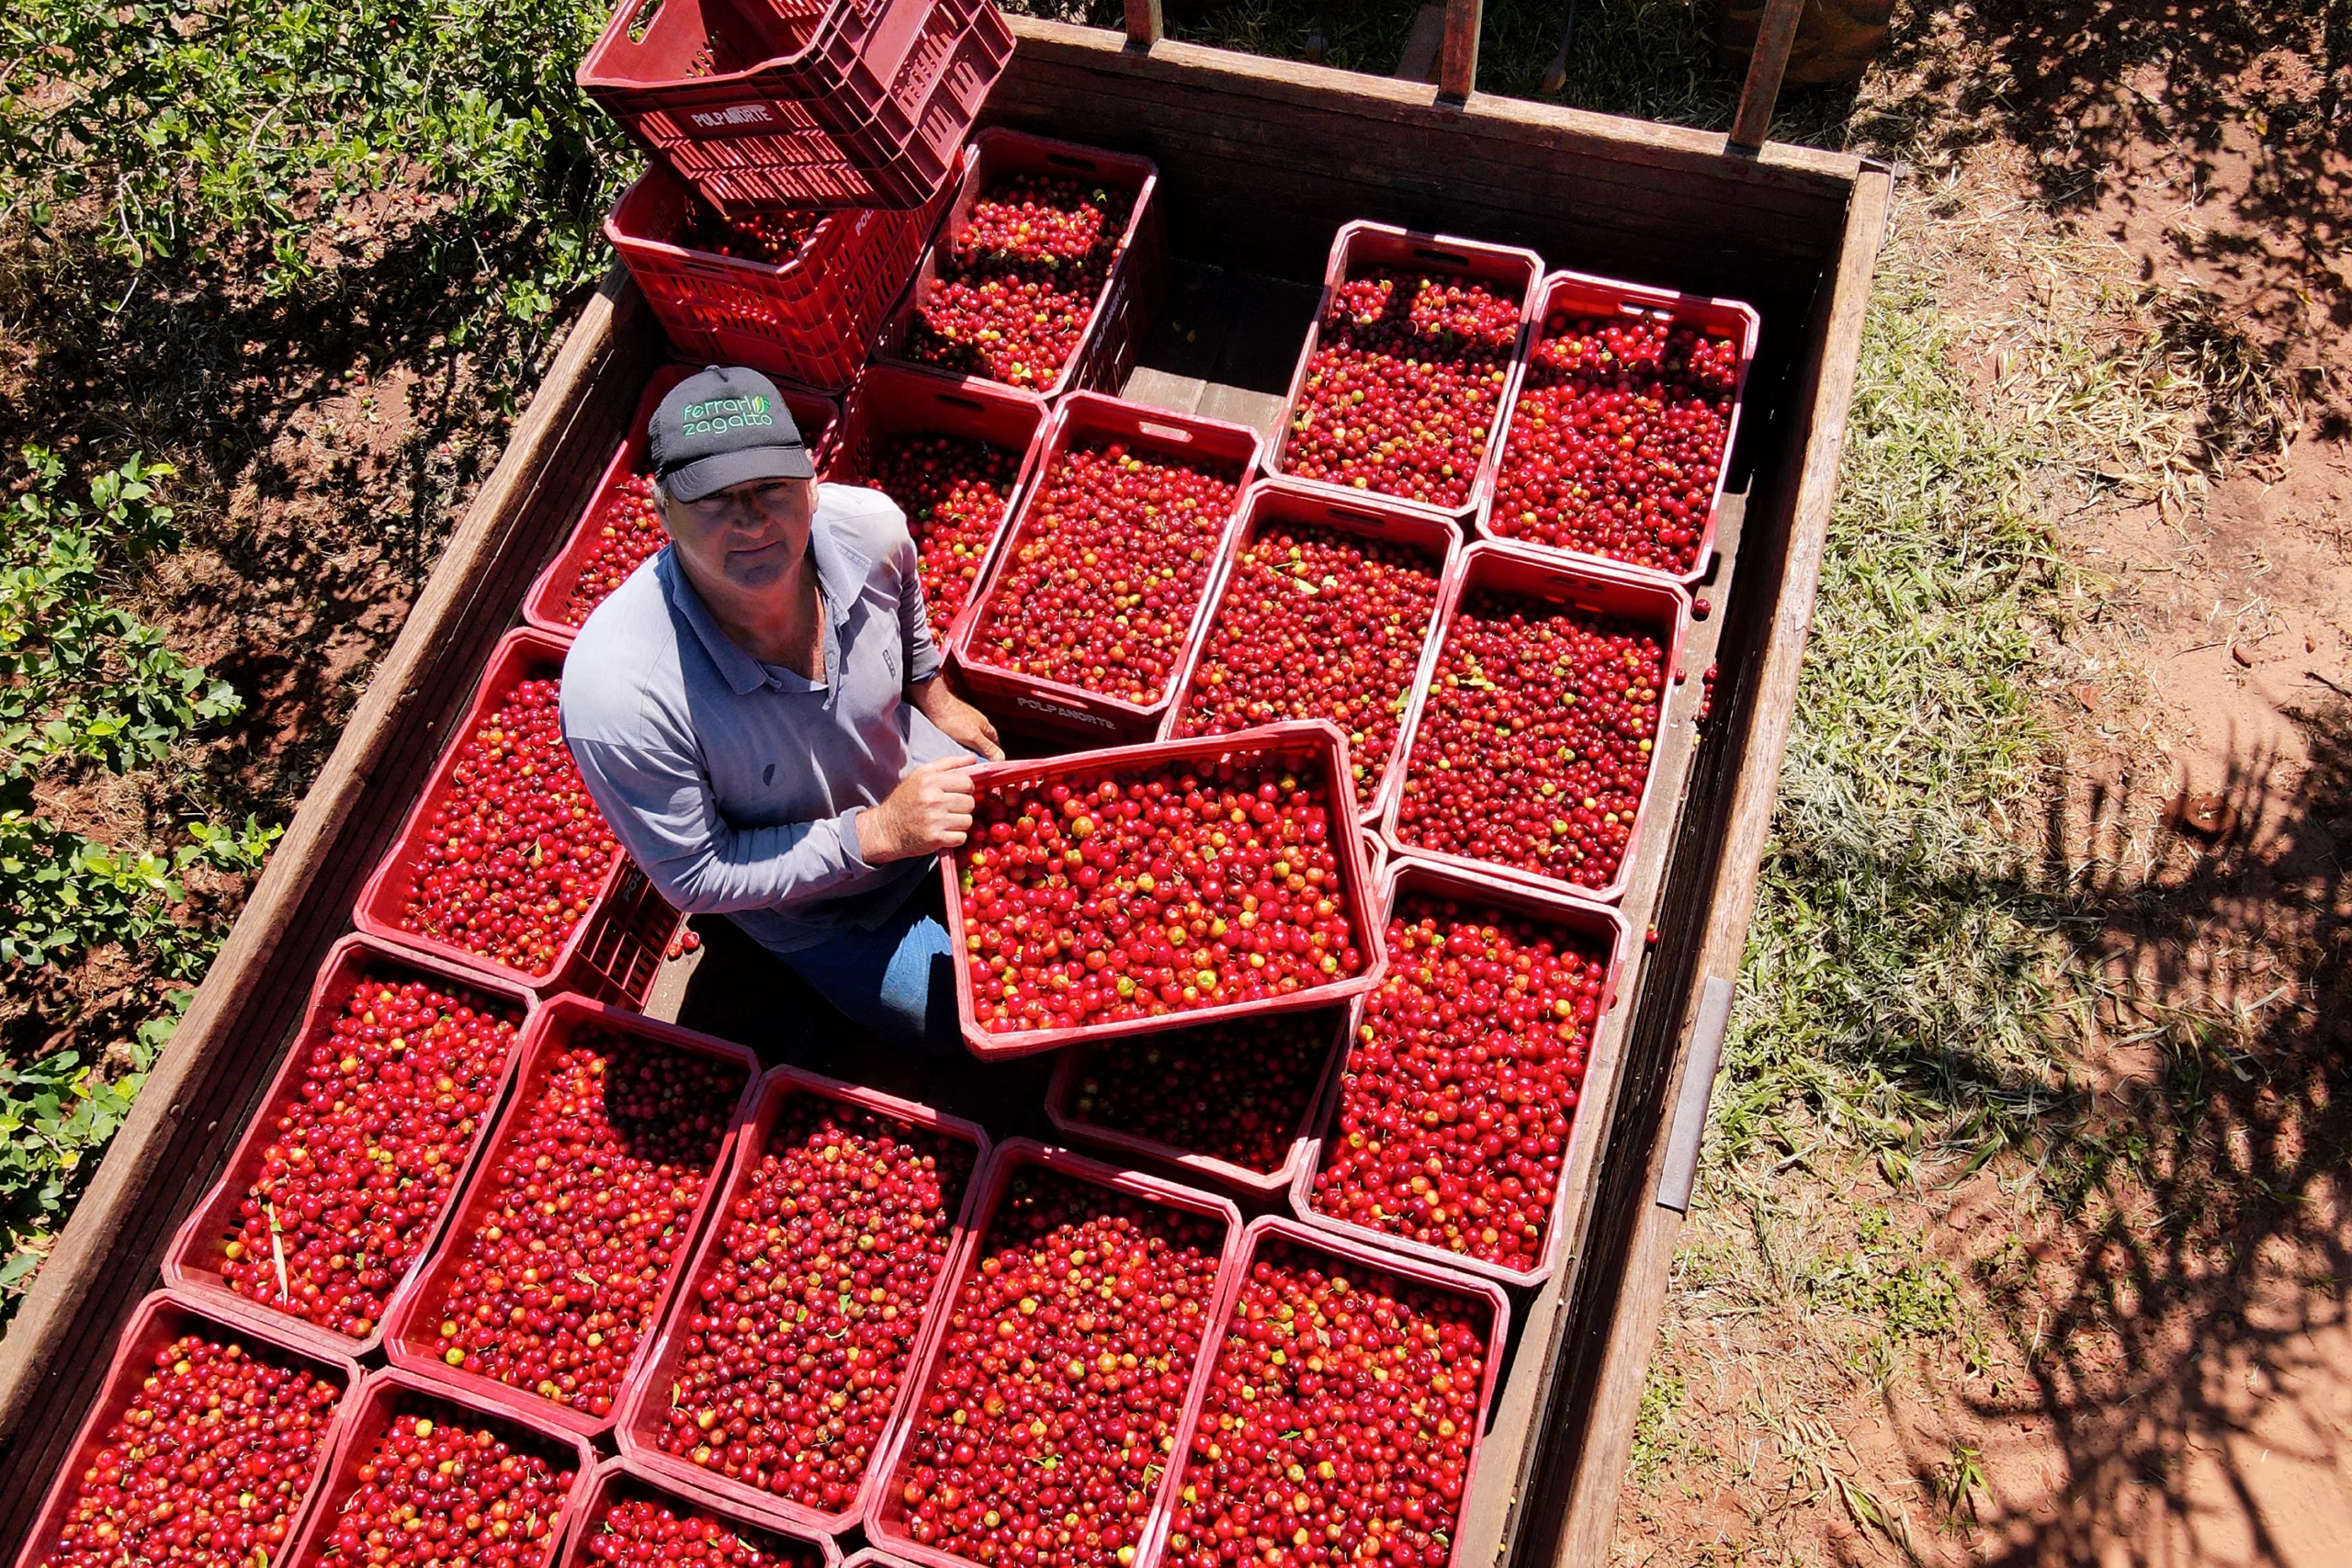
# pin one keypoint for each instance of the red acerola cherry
(1237, 1091)
(1113, 897)
(440, 1488)
(515, 851)
(1404, 384)
(365, 1156)
(592, 1190)
(1108, 570)
(1338, 1424)
(954, 490)
(1050, 1414)
(1016, 290)
(638, 1532)
(1617, 439)
(1459, 1090)
(771, 239)
(800, 1327)
(628, 533)
(206, 1465)
(1316, 624)
(1535, 739)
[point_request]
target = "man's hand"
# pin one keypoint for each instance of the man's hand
(957, 719)
(931, 810)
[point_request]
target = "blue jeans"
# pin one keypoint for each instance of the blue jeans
(896, 980)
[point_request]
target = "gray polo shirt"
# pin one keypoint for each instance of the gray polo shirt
(737, 785)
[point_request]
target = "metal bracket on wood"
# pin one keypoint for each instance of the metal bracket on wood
(1767, 64)
(1457, 61)
(1145, 26)
(1689, 1128)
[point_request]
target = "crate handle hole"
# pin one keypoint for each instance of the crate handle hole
(1369, 519)
(961, 402)
(1071, 161)
(1426, 253)
(1163, 431)
(642, 23)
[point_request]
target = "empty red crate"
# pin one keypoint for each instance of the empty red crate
(1033, 701)
(1605, 299)
(886, 1522)
(1275, 502)
(620, 1480)
(645, 1412)
(1595, 929)
(192, 1266)
(1595, 588)
(1081, 1061)
(892, 404)
(1510, 272)
(863, 105)
(1315, 743)
(1274, 1236)
(550, 605)
(411, 1333)
(154, 1324)
(1129, 298)
(810, 319)
(614, 950)
(389, 1395)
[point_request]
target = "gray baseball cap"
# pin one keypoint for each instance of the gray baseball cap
(724, 426)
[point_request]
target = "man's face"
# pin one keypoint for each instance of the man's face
(744, 538)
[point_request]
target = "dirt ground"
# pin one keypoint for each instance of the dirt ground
(2164, 1378)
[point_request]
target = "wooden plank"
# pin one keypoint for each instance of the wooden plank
(1164, 390)
(1419, 61)
(1766, 702)
(1767, 62)
(238, 1024)
(1145, 26)
(1457, 75)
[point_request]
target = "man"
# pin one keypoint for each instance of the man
(759, 711)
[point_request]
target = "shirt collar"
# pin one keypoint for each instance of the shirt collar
(843, 571)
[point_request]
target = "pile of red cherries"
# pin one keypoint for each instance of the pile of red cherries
(1236, 1091)
(1535, 739)
(1112, 557)
(365, 1154)
(1316, 624)
(1051, 1412)
(1459, 1090)
(1111, 897)
(207, 1462)
(638, 1532)
(1617, 439)
(769, 238)
(954, 489)
(1016, 288)
(514, 853)
(629, 530)
(437, 1491)
(799, 1328)
(589, 1196)
(1404, 384)
(1338, 1424)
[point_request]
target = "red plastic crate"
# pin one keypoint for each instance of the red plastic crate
(543, 605)
(874, 1557)
(411, 1339)
(154, 1324)
(892, 401)
(1596, 925)
(810, 319)
(617, 948)
(885, 1521)
(192, 1266)
(1137, 276)
(1605, 296)
(642, 1413)
(389, 1392)
(1269, 1229)
(1033, 701)
(1314, 740)
(1596, 587)
(618, 1480)
(1361, 244)
(1072, 1064)
(864, 109)
(1367, 516)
